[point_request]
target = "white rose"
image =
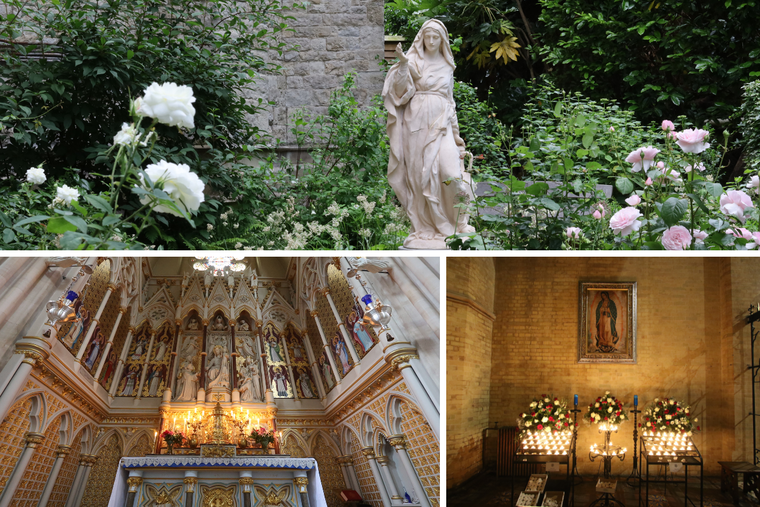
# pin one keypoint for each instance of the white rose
(695, 419)
(527, 423)
(67, 194)
(596, 405)
(36, 175)
(667, 417)
(556, 402)
(545, 419)
(657, 409)
(562, 416)
(609, 410)
(533, 405)
(547, 400)
(170, 104)
(126, 136)
(672, 402)
(183, 186)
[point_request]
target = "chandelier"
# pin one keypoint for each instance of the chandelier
(220, 264)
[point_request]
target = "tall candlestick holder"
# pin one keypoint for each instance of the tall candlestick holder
(575, 411)
(636, 472)
(608, 452)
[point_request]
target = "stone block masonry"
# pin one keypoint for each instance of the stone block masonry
(333, 37)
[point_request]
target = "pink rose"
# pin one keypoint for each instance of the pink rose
(671, 174)
(597, 215)
(699, 236)
(734, 202)
(648, 182)
(612, 129)
(668, 125)
(700, 167)
(676, 238)
(754, 183)
(693, 140)
(740, 232)
(634, 200)
(574, 232)
(642, 158)
(625, 221)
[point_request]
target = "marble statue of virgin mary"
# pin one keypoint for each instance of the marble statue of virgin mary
(426, 149)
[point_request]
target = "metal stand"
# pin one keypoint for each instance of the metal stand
(575, 472)
(752, 318)
(606, 500)
(636, 472)
(688, 460)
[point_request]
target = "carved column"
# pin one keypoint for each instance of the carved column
(399, 443)
(302, 483)
(400, 355)
(86, 461)
(264, 369)
(145, 364)
(134, 481)
(290, 368)
(246, 484)
(32, 441)
(389, 483)
(314, 367)
(122, 359)
(107, 348)
(95, 322)
(233, 375)
(369, 453)
(342, 327)
(172, 374)
(349, 474)
(60, 454)
(326, 346)
(29, 350)
(191, 481)
(202, 381)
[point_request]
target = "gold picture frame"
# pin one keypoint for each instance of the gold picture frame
(607, 322)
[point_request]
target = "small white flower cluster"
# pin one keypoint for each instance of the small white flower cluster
(369, 207)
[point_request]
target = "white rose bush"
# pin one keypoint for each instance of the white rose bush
(107, 219)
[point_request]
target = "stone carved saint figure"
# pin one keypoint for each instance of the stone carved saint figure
(243, 325)
(218, 369)
(160, 350)
(193, 324)
(306, 387)
(187, 383)
(219, 324)
(326, 371)
(606, 319)
(250, 388)
(426, 149)
(280, 383)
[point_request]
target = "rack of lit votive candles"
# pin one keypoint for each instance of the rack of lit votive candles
(547, 444)
(612, 450)
(668, 444)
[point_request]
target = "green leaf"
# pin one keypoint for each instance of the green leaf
(699, 202)
(98, 202)
(59, 225)
(588, 140)
(130, 54)
(714, 189)
(549, 204)
(558, 109)
(568, 164)
(8, 235)
(5, 219)
(673, 210)
(110, 220)
(624, 185)
(537, 189)
(78, 222)
(31, 220)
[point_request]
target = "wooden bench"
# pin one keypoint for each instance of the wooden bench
(729, 479)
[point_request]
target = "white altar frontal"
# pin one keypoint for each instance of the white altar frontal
(237, 481)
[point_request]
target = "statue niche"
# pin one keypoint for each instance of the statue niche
(218, 368)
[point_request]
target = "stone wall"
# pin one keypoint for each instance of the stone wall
(334, 37)
(469, 318)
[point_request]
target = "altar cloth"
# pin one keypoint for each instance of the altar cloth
(309, 465)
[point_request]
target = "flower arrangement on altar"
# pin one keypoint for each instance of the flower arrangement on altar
(262, 436)
(606, 411)
(669, 416)
(545, 415)
(173, 438)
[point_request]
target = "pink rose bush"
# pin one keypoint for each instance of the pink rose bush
(574, 232)
(693, 140)
(625, 221)
(734, 202)
(677, 237)
(643, 158)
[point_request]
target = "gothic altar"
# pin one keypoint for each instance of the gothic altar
(235, 481)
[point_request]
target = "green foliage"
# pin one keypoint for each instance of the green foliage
(750, 125)
(662, 59)
(337, 197)
(62, 100)
(481, 132)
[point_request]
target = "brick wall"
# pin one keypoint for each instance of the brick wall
(681, 346)
(470, 298)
